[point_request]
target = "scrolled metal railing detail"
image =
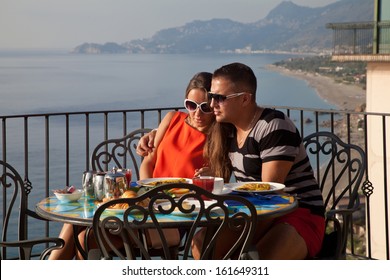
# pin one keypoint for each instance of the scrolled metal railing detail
(367, 188)
(27, 186)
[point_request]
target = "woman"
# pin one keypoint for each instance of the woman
(179, 142)
(178, 152)
(181, 137)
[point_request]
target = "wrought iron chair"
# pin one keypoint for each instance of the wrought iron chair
(341, 174)
(130, 228)
(15, 214)
(118, 152)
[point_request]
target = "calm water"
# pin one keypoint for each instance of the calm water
(35, 82)
(55, 81)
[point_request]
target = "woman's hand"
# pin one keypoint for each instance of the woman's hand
(204, 171)
(146, 144)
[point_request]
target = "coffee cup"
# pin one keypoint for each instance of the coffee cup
(218, 185)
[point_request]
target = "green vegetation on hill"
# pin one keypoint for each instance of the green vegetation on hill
(342, 72)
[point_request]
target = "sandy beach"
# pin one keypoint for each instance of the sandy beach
(345, 97)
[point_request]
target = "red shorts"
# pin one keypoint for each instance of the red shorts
(310, 226)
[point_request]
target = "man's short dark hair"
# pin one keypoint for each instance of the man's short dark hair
(240, 75)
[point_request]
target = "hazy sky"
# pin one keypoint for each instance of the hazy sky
(68, 23)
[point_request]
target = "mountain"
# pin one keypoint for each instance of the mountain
(98, 48)
(288, 27)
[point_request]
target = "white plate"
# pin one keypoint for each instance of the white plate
(147, 182)
(225, 190)
(274, 187)
(188, 204)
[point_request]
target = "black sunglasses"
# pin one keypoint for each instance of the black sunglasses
(219, 98)
(192, 106)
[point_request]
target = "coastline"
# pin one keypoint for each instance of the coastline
(344, 97)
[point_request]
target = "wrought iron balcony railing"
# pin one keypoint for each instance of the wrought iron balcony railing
(52, 150)
(362, 38)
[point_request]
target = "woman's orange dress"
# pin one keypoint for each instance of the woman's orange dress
(181, 150)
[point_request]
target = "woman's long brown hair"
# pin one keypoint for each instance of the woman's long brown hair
(216, 150)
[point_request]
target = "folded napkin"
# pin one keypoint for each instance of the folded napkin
(258, 199)
(133, 184)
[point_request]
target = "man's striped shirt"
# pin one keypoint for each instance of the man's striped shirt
(275, 137)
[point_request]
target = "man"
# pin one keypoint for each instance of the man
(266, 146)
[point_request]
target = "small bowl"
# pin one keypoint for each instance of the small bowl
(69, 197)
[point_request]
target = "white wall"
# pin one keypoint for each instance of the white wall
(378, 100)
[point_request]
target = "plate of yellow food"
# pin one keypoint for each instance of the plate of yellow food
(121, 207)
(155, 182)
(257, 187)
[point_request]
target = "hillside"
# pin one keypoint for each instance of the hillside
(288, 27)
(341, 72)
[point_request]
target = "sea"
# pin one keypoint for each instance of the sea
(48, 81)
(59, 81)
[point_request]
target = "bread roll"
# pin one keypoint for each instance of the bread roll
(144, 203)
(129, 194)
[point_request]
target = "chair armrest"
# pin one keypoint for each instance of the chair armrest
(27, 246)
(343, 212)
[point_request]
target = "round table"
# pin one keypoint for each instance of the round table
(80, 213)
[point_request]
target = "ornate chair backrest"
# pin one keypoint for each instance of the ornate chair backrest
(200, 209)
(340, 172)
(14, 234)
(118, 153)
(14, 206)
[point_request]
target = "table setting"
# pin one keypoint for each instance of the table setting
(78, 206)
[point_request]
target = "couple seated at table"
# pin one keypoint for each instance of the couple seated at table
(225, 130)
(180, 141)
(260, 144)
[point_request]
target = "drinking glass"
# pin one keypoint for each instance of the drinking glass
(218, 185)
(205, 182)
(87, 183)
(128, 173)
(98, 185)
